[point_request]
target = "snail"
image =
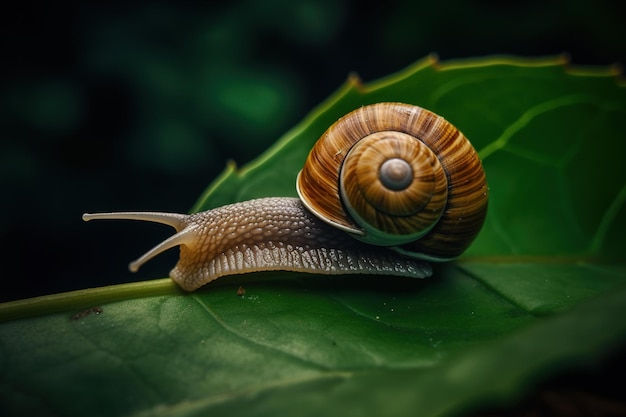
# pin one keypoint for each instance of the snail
(387, 188)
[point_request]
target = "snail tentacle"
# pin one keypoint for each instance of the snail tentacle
(175, 220)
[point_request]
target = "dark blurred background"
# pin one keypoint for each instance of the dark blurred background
(139, 105)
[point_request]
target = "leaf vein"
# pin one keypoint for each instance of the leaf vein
(607, 219)
(527, 117)
(246, 339)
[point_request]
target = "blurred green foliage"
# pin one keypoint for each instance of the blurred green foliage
(139, 105)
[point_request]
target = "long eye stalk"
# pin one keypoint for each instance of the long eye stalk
(183, 236)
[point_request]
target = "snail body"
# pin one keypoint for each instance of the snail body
(386, 187)
(264, 234)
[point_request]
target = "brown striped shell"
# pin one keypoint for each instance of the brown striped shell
(398, 175)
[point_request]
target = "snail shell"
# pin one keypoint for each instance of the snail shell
(401, 180)
(394, 174)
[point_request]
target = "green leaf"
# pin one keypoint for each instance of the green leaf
(536, 293)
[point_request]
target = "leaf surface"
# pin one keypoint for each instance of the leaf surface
(547, 268)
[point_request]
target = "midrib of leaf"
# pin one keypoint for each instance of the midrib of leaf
(80, 299)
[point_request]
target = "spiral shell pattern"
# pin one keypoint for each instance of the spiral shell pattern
(393, 186)
(395, 174)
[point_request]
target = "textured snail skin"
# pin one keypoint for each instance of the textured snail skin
(276, 233)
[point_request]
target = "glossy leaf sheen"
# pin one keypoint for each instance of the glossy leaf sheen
(538, 291)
